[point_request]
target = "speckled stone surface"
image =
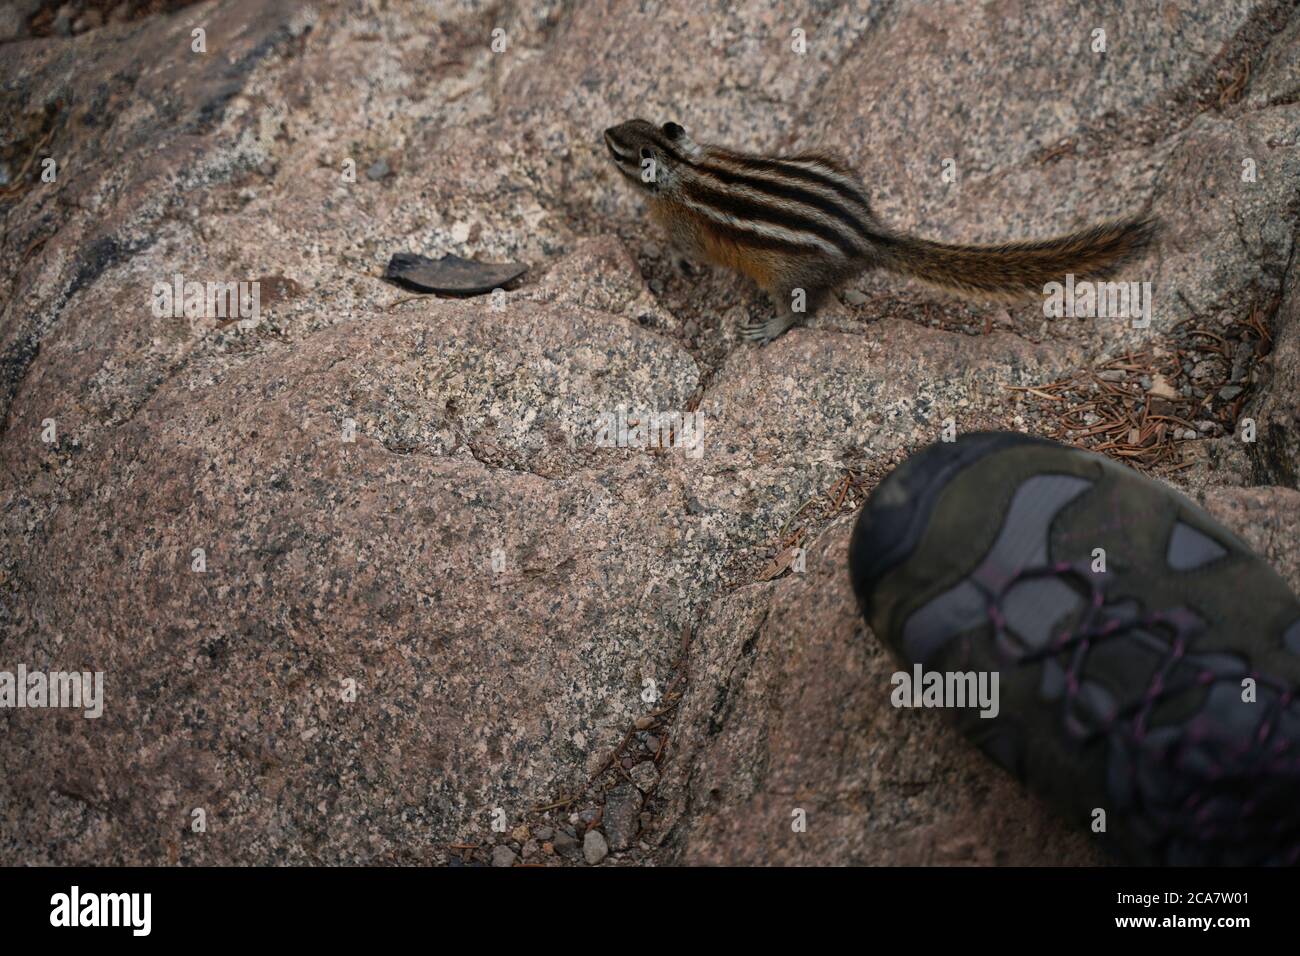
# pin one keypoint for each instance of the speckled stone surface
(431, 603)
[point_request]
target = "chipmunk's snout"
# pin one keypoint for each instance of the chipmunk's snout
(631, 147)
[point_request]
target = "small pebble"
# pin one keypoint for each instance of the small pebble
(63, 20)
(622, 806)
(644, 776)
(87, 21)
(594, 847)
(503, 856)
(565, 844)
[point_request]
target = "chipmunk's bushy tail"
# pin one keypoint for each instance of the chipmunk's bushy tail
(1019, 268)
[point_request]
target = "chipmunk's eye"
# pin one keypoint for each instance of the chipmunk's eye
(674, 131)
(645, 152)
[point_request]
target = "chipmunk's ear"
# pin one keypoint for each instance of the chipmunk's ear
(680, 139)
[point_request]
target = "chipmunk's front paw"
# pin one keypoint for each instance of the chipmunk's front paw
(766, 330)
(686, 266)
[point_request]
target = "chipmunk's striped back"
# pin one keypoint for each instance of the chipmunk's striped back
(804, 223)
(804, 203)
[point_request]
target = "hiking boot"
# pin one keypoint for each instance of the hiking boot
(1146, 660)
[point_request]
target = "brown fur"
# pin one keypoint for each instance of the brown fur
(772, 272)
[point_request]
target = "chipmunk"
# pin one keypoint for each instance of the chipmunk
(804, 222)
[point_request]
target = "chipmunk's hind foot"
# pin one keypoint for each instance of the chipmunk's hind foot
(765, 330)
